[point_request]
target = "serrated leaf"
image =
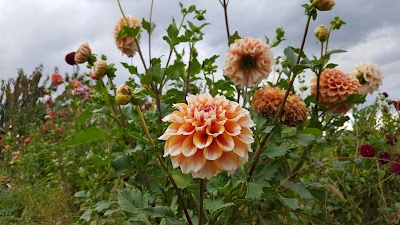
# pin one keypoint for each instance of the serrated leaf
(101, 205)
(272, 151)
(299, 189)
(290, 55)
(219, 210)
(304, 139)
(133, 134)
(310, 130)
(291, 202)
(147, 26)
(255, 189)
(89, 135)
(122, 164)
(131, 69)
(131, 200)
(233, 37)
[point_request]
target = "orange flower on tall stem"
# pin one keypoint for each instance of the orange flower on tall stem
(208, 135)
(248, 62)
(127, 45)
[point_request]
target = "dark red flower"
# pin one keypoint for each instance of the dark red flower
(49, 101)
(70, 58)
(384, 157)
(396, 168)
(367, 150)
(396, 105)
(385, 94)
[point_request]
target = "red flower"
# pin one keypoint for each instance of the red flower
(396, 168)
(63, 114)
(76, 84)
(367, 150)
(384, 157)
(57, 79)
(49, 101)
(1, 142)
(58, 129)
(52, 114)
(70, 58)
(27, 141)
(396, 104)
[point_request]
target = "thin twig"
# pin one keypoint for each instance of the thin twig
(201, 196)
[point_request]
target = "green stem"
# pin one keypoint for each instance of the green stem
(151, 16)
(201, 197)
(327, 39)
(186, 88)
(163, 164)
(257, 153)
(225, 6)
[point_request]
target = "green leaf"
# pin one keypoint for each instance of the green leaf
(272, 151)
(131, 200)
(299, 189)
(182, 180)
(89, 135)
(132, 32)
(84, 116)
(309, 130)
(213, 204)
(131, 69)
(304, 139)
(147, 26)
(255, 188)
(291, 202)
(122, 164)
(87, 215)
(233, 37)
(290, 55)
(219, 210)
(353, 99)
(134, 135)
(172, 32)
(101, 205)
(121, 35)
(299, 68)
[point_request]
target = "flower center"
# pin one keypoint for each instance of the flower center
(248, 62)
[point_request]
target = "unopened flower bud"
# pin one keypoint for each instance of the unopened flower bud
(385, 94)
(321, 32)
(324, 5)
(100, 68)
(83, 53)
(123, 95)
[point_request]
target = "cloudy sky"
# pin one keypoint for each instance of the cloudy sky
(37, 32)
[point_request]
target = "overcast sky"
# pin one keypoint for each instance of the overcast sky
(37, 32)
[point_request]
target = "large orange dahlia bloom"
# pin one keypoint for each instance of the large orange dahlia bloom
(127, 45)
(335, 86)
(208, 135)
(268, 99)
(248, 62)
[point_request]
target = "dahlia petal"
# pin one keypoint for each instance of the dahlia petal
(215, 130)
(174, 145)
(186, 129)
(232, 128)
(196, 162)
(209, 170)
(202, 140)
(225, 142)
(228, 161)
(171, 130)
(187, 147)
(246, 135)
(240, 148)
(213, 151)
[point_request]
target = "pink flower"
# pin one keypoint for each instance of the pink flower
(127, 45)
(248, 62)
(57, 79)
(369, 75)
(76, 84)
(208, 135)
(52, 114)
(27, 141)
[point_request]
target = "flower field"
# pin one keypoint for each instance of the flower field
(186, 140)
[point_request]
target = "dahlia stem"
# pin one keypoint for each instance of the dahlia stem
(143, 122)
(327, 39)
(164, 165)
(278, 114)
(150, 31)
(225, 6)
(186, 88)
(201, 196)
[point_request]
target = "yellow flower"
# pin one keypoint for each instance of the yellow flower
(248, 62)
(208, 135)
(123, 95)
(127, 45)
(83, 53)
(335, 86)
(268, 99)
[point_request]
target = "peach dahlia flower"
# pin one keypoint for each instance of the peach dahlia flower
(248, 62)
(268, 99)
(335, 86)
(369, 75)
(127, 45)
(208, 135)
